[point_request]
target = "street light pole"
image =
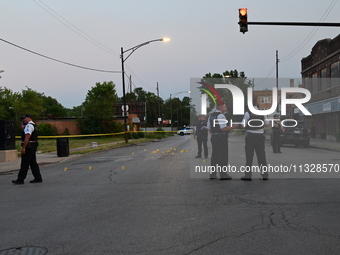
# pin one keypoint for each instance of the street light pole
(175, 94)
(124, 99)
(133, 49)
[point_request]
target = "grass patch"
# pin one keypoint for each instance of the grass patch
(103, 142)
(107, 146)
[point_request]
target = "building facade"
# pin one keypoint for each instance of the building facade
(321, 76)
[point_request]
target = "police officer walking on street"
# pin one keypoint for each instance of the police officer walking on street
(29, 138)
(276, 134)
(219, 130)
(254, 142)
(202, 136)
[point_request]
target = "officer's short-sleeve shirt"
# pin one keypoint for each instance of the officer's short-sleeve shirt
(29, 128)
(220, 117)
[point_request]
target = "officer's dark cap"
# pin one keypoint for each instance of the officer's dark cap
(25, 116)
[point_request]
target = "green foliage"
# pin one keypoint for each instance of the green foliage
(66, 132)
(178, 111)
(13, 105)
(94, 126)
(99, 101)
(30, 101)
(141, 134)
(46, 129)
(98, 109)
(152, 101)
(228, 77)
(133, 135)
(7, 100)
(53, 107)
(75, 112)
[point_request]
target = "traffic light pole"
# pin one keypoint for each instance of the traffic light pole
(312, 24)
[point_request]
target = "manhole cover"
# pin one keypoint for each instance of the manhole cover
(24, 251)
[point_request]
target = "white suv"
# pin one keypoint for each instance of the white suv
(185, 131)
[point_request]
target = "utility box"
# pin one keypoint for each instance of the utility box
(7, 135)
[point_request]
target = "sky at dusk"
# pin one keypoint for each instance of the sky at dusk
(204, 36)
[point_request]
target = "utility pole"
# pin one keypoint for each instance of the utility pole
(159, 108)
(130, 92)
(277, 79)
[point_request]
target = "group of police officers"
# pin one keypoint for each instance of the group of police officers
(219, 131)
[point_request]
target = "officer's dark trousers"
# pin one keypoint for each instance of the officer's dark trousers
(276, 142)
(219, 156)
(29, 160)
(202, 141)
(255, 143)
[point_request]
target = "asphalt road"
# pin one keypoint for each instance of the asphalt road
(145, 199)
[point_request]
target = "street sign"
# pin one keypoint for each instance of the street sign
(126, 108)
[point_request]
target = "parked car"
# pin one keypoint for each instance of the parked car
(298, 135)
(185, 131)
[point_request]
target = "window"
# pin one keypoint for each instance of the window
(335, 74)
(266, 100)
(324, 79)
(315, 82)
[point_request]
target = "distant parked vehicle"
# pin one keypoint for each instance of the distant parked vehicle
(299, 135)
(185, 131)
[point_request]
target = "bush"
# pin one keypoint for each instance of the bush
(133, 135)
(141, 134)
(46, 129)
(94, 126)
(66, 132)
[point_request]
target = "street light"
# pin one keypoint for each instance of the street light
(133, 49)
(175, 94)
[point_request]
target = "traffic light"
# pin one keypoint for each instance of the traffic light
(243, 20)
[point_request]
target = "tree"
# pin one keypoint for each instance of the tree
(151, 100)
(98, 109)
(7, 100)
(178, 111)
(53, 107)
(228, 77)
(30, 101)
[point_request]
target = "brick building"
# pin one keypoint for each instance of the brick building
(321, 76)
(265, 100)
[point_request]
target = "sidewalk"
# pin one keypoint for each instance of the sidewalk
(51, 157)
(43, 159)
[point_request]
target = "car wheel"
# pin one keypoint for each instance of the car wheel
(181, 133)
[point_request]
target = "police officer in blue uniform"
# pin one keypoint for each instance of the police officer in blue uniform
(276, 134)
(219, 128)
(29, 142)
(202, 136)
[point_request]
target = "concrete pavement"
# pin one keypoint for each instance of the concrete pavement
(51, 157)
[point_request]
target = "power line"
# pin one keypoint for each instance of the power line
(311, 34)
(63, 62)
(138, 78)
(74, 28)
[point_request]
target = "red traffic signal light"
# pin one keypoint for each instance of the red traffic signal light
(243, 19)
